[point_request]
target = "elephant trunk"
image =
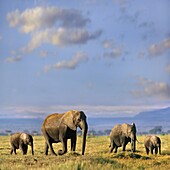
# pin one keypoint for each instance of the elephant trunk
(84, 134)
(133, 143)
(160, 149)
(32, 147)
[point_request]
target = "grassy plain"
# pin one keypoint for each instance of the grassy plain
(96, 156)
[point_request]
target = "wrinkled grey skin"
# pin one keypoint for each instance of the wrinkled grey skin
(60, 127)
(152, 143)
(21, 141)
(121, 135)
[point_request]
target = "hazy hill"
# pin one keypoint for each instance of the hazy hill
(155, 114)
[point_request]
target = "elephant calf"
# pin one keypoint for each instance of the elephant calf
(21, 141)
(121, 135)
(151, 143)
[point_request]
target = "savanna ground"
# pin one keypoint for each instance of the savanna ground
(97, 156)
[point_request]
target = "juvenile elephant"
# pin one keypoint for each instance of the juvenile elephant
(121, 135)
(151, 143)
(21, 141)
(60, 127)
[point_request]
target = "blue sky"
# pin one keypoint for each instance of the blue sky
(106, 57)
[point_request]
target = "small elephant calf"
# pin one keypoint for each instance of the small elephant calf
(151, 143)
(21, 141)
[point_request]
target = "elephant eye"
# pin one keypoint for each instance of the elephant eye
(79, 119)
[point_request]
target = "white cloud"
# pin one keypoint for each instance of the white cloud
(107, 43)
(52, 25)
(149, 88)
(37, 40)
(60, 37)
(73, 63)
(114, 53)
(159, 48)
(13, 59)
(45, 17)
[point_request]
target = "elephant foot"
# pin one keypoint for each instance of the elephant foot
(115, 151)
(60, 152)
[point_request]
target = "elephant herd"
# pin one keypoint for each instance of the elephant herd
(60, 127)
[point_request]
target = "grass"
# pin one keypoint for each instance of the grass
(97, 156)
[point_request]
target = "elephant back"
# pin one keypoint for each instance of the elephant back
(14, 139)
(116, 130)
(52, 120)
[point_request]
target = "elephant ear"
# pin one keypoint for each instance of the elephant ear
(68, 119)
(126, 129)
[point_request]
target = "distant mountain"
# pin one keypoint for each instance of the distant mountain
(155, 114)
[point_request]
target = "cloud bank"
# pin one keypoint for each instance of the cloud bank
(60, 37)
(74, 62)
(45, 17)
(149, 88)
(13, 59)
(159, 48)
(52, 25)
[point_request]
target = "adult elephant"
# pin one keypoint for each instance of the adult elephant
(60, 127)
(152, 143)
(21, 140)
(121, 135)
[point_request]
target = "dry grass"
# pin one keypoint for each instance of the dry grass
(96, 156)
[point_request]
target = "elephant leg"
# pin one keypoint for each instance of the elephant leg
(23, 148)
(15, 151)
(112, 147)
(51, 148)
(156, 150)
(49, 143)
(147, 150)
(151, 150)
(115, 149)
(123, 147)
(64, 143)
(73, 143)
(159, 149)
(46, 148)
(12, 149)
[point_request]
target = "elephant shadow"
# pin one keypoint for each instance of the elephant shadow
(129, 150)
(73, 153)
(123, 155)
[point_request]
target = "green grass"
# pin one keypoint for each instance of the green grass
(97, 156)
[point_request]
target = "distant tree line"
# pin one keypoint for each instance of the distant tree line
(91, 133)
(9, 132)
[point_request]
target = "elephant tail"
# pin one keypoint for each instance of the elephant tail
(138, 141)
